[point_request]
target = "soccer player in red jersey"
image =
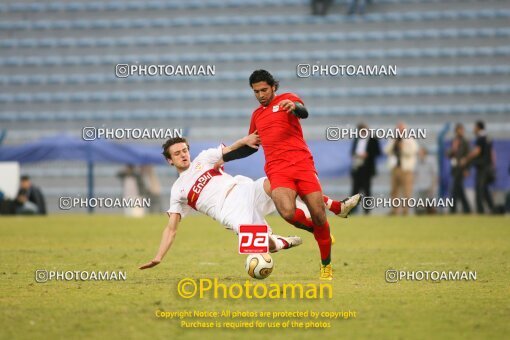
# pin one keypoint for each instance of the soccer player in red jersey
(289, 163)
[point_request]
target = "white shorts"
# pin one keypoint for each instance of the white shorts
(247, 203)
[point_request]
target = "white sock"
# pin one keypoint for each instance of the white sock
(328, 203)
(279, 245)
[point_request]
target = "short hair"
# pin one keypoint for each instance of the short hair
(25, 178)
(480, 124)
(171, 142)
(262, 75)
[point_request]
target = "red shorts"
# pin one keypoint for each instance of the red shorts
(302, 181)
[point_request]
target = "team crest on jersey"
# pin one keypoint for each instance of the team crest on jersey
(276, 108)
(199, 166)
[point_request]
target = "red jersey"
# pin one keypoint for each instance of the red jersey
(281, 136)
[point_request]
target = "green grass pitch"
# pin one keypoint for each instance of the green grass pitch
(365, 249)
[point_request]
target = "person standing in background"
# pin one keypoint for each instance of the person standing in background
(458, 151)
(425, 180)
(402, 154)
(153, 188)
(133, 187)
(357, 6)
(364, 153)
(483, 158)
(321, 7)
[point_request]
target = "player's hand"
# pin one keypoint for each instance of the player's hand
(252, 140)
(150, 264)
(217, 166)
(287, 105)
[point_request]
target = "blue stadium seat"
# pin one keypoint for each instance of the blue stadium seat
(251, 20)
(162, 5)
(403, 110)
(159, 95)
(331, 37)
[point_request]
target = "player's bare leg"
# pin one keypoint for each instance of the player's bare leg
(315, 203)
(340, 208)
(285, 202)
(301, 217)
(277, 242)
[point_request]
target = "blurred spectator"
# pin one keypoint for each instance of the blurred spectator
(7, 206)
(4, 204)
(321, 7)
(458, 151)
(426, 179)
(133, 187)
(153, 188)
(402, 162)
(364, 153)
(507, 199)
(357, 6)
(30, 199)
(484, 160)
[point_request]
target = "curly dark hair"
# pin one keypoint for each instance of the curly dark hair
(171, 142)
(263, 75)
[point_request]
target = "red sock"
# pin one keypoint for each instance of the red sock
(323, 237)
(334, 206)
(321, 233)
(300, 221)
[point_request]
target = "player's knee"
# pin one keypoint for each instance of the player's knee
(287, 213)
(286, 210)
(319, 218)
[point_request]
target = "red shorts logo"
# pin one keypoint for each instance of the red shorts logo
(253, 239)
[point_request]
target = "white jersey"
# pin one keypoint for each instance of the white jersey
(201, 187)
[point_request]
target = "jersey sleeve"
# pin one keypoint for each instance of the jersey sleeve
(211, 155)
(252, 125)
(177, 206)
(293, 97)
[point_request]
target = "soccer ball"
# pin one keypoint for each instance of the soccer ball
(259, 266)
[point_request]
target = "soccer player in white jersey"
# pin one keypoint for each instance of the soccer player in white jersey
(233, 201)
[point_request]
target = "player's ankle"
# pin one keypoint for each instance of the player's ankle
(326, 262)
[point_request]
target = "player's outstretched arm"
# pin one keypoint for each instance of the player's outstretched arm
(242, 148)
(166, 241)
(252, 141)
